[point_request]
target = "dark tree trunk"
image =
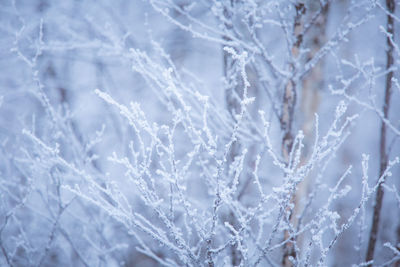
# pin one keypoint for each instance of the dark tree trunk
(383, 136)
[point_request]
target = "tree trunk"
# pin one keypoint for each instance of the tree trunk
(383, 150)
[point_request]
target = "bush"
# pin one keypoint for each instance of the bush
(199, 133)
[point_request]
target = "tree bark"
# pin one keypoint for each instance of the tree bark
(287, 117)
(383, 136)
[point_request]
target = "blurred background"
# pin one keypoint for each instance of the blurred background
(66, 189)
